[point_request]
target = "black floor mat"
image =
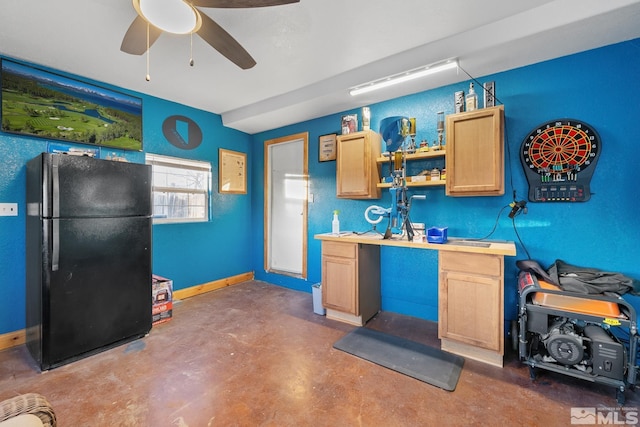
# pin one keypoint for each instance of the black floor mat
(416, 360)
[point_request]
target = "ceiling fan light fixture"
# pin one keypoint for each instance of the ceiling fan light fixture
(405, 76)
(172, 16)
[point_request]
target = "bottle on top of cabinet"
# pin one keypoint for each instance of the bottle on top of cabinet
(471, 101)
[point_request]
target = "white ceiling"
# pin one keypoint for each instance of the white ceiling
(309, 54)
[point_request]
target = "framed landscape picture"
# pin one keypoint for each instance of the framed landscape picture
(43, 104)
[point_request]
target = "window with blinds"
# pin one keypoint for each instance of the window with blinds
(181, 189)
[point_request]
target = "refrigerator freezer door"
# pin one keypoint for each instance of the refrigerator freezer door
(100, 295)
(76, 187)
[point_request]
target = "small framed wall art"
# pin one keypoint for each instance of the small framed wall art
(327, 147)
(349, 124)
(232, 172)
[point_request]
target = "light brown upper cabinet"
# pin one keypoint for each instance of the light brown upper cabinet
(475, 153)
(357, 173)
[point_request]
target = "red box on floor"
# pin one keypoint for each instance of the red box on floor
(161, 296)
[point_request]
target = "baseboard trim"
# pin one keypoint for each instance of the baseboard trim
(212, 286)
(491, 357)
(12, 339)
(345, 317)
(16, 338)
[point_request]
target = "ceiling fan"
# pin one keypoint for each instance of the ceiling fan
(184, 17)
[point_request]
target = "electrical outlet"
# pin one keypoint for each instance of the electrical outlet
(8, 209)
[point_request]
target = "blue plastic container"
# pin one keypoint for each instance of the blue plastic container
(437, 235)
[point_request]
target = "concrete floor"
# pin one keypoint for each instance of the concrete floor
(254, 354)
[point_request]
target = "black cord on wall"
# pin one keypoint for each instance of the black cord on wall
(519, 204)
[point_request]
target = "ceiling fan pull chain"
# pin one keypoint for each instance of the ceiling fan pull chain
(191, 47)
(148, 77)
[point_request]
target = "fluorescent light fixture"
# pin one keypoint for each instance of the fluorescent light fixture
(405, 76)
(173, 16)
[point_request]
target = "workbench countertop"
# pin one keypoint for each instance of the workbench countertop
(454, 244)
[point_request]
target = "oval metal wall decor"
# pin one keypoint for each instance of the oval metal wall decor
(182, 132)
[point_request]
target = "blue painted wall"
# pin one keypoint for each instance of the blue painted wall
(598, 87)
(190, 254)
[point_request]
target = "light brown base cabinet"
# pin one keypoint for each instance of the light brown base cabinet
(471, 305)
(470, 289)
(350, 281)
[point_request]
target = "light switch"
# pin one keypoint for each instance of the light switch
(8, 209)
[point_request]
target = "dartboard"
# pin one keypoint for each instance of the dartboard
(559, 158)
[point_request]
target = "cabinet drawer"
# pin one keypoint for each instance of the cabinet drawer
(489, 265)
(342, 250)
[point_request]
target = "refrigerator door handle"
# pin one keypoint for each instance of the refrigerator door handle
(55, 241)
(55, 194)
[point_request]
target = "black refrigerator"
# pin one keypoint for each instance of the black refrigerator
(88, 256)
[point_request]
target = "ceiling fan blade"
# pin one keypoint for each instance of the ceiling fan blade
(135, 40)
(234, 4)
(222, 41)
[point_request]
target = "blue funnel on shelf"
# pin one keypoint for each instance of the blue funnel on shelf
(391, 131)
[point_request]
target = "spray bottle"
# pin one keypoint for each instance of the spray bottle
(335, 224)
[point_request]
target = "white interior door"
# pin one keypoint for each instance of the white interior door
(286, 205)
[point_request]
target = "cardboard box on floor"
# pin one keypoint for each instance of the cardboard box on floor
(162, 297)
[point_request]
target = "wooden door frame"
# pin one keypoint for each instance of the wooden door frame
(304, 136)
